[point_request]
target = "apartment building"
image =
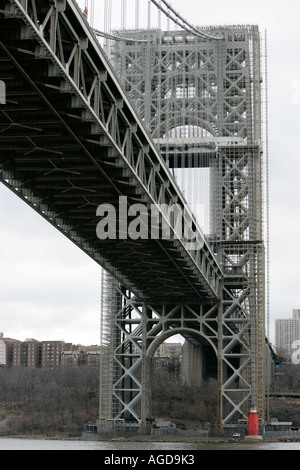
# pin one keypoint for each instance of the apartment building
(70, 358)
(17, 354)
(168, 350)
(287, 331)
(32, 353)
(51, 353)
(93, 358)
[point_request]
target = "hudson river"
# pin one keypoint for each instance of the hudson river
(115, 446)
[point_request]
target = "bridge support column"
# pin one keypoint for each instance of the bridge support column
(133, 330)
(132, 335)
(145, 375)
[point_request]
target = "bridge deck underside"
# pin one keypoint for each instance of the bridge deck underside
(55, 157)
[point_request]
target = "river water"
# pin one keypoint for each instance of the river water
(109, 447)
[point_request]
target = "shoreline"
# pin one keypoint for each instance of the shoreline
(149, 438)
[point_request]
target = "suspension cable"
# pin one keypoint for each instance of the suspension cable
(116, 37)
(173, 16)
(181, 22)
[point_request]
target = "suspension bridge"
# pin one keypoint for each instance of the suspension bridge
(133, 117)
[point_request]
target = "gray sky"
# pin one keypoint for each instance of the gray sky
(49, 289)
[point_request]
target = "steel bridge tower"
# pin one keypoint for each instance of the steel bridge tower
(200, 98)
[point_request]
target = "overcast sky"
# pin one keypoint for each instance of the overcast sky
(49, 289)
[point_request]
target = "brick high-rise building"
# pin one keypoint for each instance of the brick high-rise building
(51, 352)
(33, 353)
(17, 354)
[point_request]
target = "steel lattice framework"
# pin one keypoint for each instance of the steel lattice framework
(201, 100)
(71, 139)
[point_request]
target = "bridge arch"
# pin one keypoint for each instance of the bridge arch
(185, 332)
(188, 127)
(197, 366)
(199, 357)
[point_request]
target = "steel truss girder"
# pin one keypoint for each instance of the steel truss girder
(56, 33)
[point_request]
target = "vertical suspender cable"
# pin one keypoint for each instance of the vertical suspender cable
(92, 13)
(123, 14)
(267, 216)
(267, 185)
(149, 15)
(137, 7)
